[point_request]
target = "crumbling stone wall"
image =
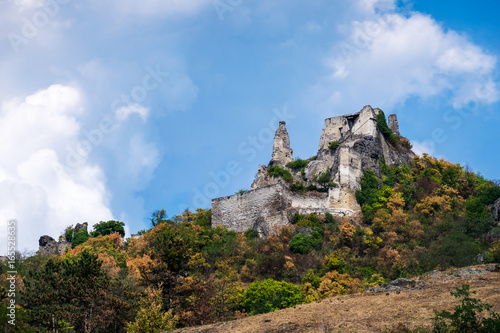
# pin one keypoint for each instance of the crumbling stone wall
(264, 210)
(267, 209)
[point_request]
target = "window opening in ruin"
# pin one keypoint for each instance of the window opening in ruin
(341, 131)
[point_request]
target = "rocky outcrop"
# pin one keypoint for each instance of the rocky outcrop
(397, 285)
(495, 210)
(282, 153)
(263, 178)
(81, 226)
(49, 246)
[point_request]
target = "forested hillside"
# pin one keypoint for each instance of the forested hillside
(182, 272)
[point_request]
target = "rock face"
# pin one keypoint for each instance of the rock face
(495, 210)
(393, 124)
(263, 178)
(349, 145)
(282, 154)
(48, 246)
(81, 226)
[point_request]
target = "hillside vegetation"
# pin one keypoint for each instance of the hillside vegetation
(182, 272)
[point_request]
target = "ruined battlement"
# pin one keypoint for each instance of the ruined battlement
(270, 202)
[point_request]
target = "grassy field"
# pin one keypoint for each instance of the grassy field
(368, 312)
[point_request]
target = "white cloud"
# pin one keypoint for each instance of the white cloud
(386, 60)
(124, 112)
(28, 4)
(371, 6)
(36, 186)
(420, 148)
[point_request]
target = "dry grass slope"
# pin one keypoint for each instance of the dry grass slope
(368, 312)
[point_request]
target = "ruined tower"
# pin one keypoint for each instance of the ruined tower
(393, 124)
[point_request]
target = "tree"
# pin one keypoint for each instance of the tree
(467, 316)
(79, 238)
(47, 309)
(304, 243)
(151, 318)
(108, 228)
(270, 295)
(158, 216)
(77, 292)
(323, 179)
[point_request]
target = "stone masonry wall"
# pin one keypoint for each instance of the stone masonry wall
(263, 209)
(267, 209)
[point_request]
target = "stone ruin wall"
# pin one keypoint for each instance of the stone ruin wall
(268, 208)
(263, 210)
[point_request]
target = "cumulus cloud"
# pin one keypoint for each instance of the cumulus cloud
(37, 187)
(393, 57)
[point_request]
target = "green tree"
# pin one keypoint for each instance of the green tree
(323, 179)
(79, 238)
(75, 292)
(107, 228)
(44, 297)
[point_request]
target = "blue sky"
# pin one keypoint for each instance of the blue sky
(114, 109)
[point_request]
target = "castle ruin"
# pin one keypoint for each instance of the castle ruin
(348, 146)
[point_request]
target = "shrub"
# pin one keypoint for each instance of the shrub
(298, 187)
(392, 138)
(329, 218)
(270, 295)
(367, 194)
(79, 238)
(68, 234)
(298, 164)
(323, 179)
(296, 218)
(276, 170)
(311, 278)
(302, 244)
(331, 223)
(467, 316)
(251, 233)
(333, 145)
